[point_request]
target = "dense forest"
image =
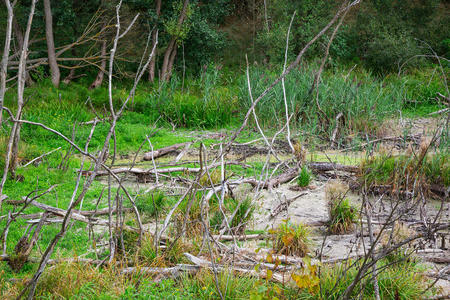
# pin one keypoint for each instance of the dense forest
(200, 149)
(379, 35)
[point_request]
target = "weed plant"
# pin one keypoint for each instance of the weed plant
(291, 239)
(304, 178)
(401, 170)
(244, 214)
(343, 215)
(152, 203)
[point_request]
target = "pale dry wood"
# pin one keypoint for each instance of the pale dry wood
(162, 151)
(139, 171)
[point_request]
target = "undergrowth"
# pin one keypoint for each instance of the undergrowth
(291, 239)
(343, 215)
(402, 170)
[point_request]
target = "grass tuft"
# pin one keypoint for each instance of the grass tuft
(291, 239)
(343, 215)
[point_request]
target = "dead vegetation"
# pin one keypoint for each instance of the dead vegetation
(202, 228)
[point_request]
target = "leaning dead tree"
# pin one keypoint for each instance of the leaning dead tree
(4, 62)
(14, 138)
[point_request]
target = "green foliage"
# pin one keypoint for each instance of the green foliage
(304, 178)
(377, 34)
(343, 215)
(364, 101)
(291, 239)
(404, 280)
(73, 280)
(244, 213)
(152, 203)
(398, 170)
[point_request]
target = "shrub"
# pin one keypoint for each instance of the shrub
(291, 239)
(342, 216)
(304, 178)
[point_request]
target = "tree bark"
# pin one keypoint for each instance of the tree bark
(4, 63)
(19, 37)
(171, 61)
(54, 69)
(13, 143)
(169, 55)
(99, 79)
(152, 65)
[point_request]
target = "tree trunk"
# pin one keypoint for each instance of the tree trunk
(99, 79)
(165, 65)
(4, 63)
(54, 69)
(19, 37)
(12, 148)
(169, 55)
(171, 61)
(151, 66)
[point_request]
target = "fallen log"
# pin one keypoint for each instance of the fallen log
(162, 151)
(101, 212)
(203, 263)
(438, 259)
(276, 181)
(161, 273)
(327, 166)
(152, 171)
(74, 215)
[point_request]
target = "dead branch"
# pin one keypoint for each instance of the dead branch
(163, 151)
(140, 172)
(39, 157)
(276, 181)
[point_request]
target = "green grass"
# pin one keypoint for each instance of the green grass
(343, 215)
(153, 203)
(244, 213)
(291, 239)
(387, 169)
(403, 280)
(207, 102)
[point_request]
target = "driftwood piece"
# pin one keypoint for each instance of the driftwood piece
(40, 157)
(75, 215)
(285, 204)
(438, 258)
(276, 181)
(162, 151)
(225, 237)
